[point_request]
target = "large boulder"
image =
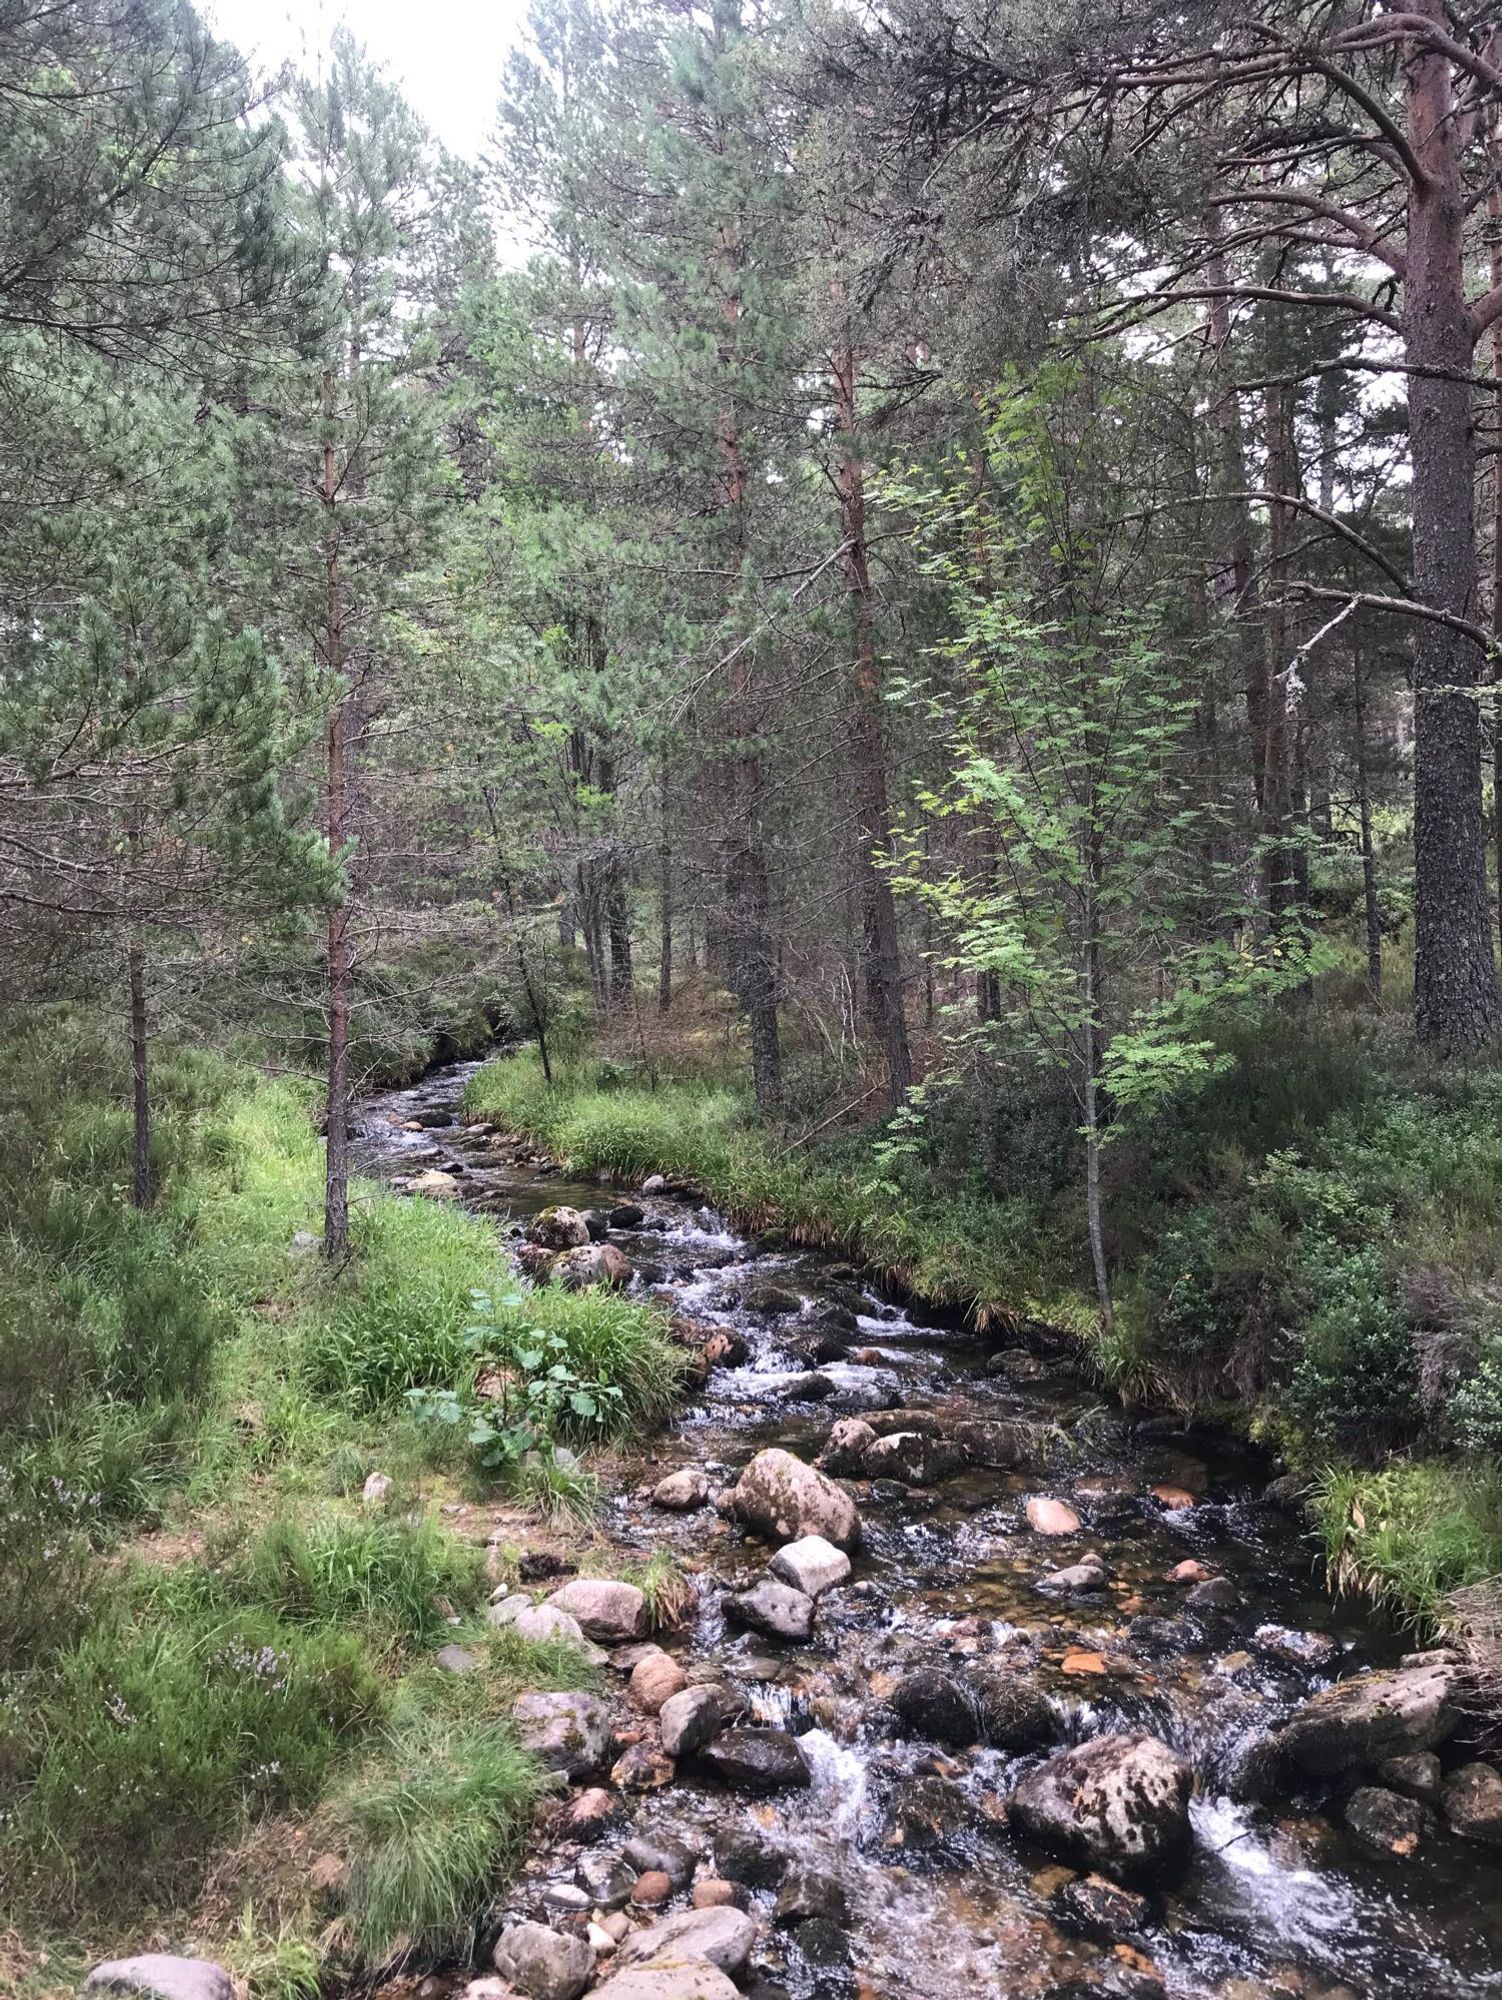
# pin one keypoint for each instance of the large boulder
(1118, 1805)
(772, 1608)
(757, 1760)
(781, 1499)
(610, 1612)
(811, 1565)
(558, 1229)
(569, 1733)
(721, 1935)
(1359, 1722)
(156, 1975)
(914, 1457)
(547, 1964)
(592, 1264)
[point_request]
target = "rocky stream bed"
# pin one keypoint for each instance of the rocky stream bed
(1039, 1702)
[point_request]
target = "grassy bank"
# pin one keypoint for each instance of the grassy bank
(216, 1659)
(1309, 1247)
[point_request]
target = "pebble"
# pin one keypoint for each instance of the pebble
(1052, 1517)
(651, 1889)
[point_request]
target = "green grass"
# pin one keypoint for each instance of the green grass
(1411, 1534)
(431, 1823)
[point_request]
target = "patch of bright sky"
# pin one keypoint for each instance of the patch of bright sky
(447, 55)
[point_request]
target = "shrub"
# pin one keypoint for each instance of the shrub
(1351, 1385)
(431, 1824)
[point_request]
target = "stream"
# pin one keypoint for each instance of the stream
(1276, 1902)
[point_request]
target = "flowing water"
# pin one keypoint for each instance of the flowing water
(1275, 1902)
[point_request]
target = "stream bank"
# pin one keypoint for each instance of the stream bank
(1278, 1893)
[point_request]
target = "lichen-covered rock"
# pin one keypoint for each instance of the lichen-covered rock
(546, 1964)
(781, 1499)
(1119, 1805)
(914, 1457)
(592, 1264)
(558, 1229)
(1358, 1722)
(675, 1979)
(844, 1453)
(567, 1732)
(607, 1611)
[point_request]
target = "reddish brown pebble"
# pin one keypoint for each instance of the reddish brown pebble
(712, 1893)
(1189, 1572)
(648, 1890)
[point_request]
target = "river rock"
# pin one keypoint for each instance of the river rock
(772, 1608)
(1216, 1593)
(1189, 1572)
(811, 1892)
(721, 1936)
(822, 1942)
(160, 1976)
(781, 1499)
(456, 1659)
(1473, 1803)
(845, 1449)
(682, 1491)
(1051, 1517)
(566, 1732)
(1014, 1714)
(1418, 1776)
(593, 1264)
(607, 1611)
(688, 1720)
(591, 1812)
(436, 1184)
(605, 1880)
(937, 1705)
(547, 1964)
(811, 1565)
(655, 1679)
(757, 1760)
(643, 1766)
(770, 1301)
(651, 1889)
(1360, 1721)
(533, 1261)
(677, 1979)
(376, 1488)
(547, 1621)
(558, 1229)
(1082, 1579)
(660, 1853)
(745, 1854)
(713, 1892)
(626, 1215)
(597, 1222)
(929, 1814)
(1100, 1908)
(1119, 1805)
(1294, 1649)
(1385, 1822)
(915, 1459)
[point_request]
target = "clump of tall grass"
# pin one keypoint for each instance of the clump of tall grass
(430, 1825)
(407, 1578)
(1412, 1534)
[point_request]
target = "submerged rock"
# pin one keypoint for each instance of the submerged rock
(769, 1301)
(1082, 1579)
(757, 1760)
(1359, 1722)
(781, 1499)
(1295, 1649)
(1014, 1714)
(1119, 1805)
(745, 1854)
(1051, 1517)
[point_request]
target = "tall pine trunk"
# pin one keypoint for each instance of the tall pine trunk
(140, 1082)
(882, 952)
(336, 828)
(1455, 982)
(1368, 845)
(665, 894)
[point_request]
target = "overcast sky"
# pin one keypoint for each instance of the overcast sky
(446, 54)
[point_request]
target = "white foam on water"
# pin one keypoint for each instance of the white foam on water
(839, 1781)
